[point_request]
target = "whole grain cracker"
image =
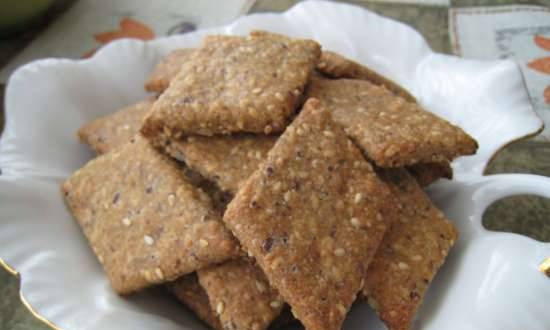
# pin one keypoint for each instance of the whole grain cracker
(240, 295)
(116, 129)
(312, 215)
(226, 160)
(234, 84)
(188, 290)
(391, 131)
(411, 253)
(427, 173)
(145, 222)
(335, 65)
(167, 69)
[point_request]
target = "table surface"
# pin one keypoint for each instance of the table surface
(526, 215)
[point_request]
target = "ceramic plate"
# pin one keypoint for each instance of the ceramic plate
(490, 281)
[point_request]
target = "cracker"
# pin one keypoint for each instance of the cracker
(234, 84)
(167, 69)
(337, 66)
(427, 173)
(312, 215)
(226, 160)
(116, 129)
(391, 131)
(411, 253)
(144, 221)
(240, 295)
(188, 290)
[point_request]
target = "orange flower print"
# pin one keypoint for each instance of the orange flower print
(129, 28)
(542, 64)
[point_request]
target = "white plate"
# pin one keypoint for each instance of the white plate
(489, 282)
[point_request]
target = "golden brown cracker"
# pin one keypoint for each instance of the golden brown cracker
(145, 222)
(116, 129)
(167, 69)
(234, 84)
(312, 215)
(411, 253)
(188, 290)
(226, 160)
(240, 295)
(335, 65)
(391, 131)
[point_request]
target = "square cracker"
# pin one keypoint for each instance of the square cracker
(335, 65)
(312, 215)
(234, 84)
(188, 290)
(116, 129)
(145, 222)
(391, 131)
(226, 160)
(167, 69)
(240, 295)
(410, 254)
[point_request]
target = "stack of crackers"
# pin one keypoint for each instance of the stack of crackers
(267, 175)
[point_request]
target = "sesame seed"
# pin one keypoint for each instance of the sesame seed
(288, 196)
(379, 217)
(341, 309)
(268, 129)
(339, 252)
(126, 127)
(270, 107)
(403, 265)
(257, 90)
(203, 242)
(300, 131)
(126, 222)
(355, 222)
(358, 198)
(417, 257)
(100, 258)
(171, 199)
(260, 286)
(362, 284)
(277, 186)
(328, 134)
(159, 273)
(296, 92)
(275, 304)
(279, 96)
(219, 308)
(393, 313)
(148, 240)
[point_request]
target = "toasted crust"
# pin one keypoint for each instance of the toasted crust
(312, 216)
(167, 69)
(427, 173)
(234, 84)
(116, 129)
(391, 131)
(145, 222)
(337, 66)
(410, 255)
(188, 290)
(240, 295)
